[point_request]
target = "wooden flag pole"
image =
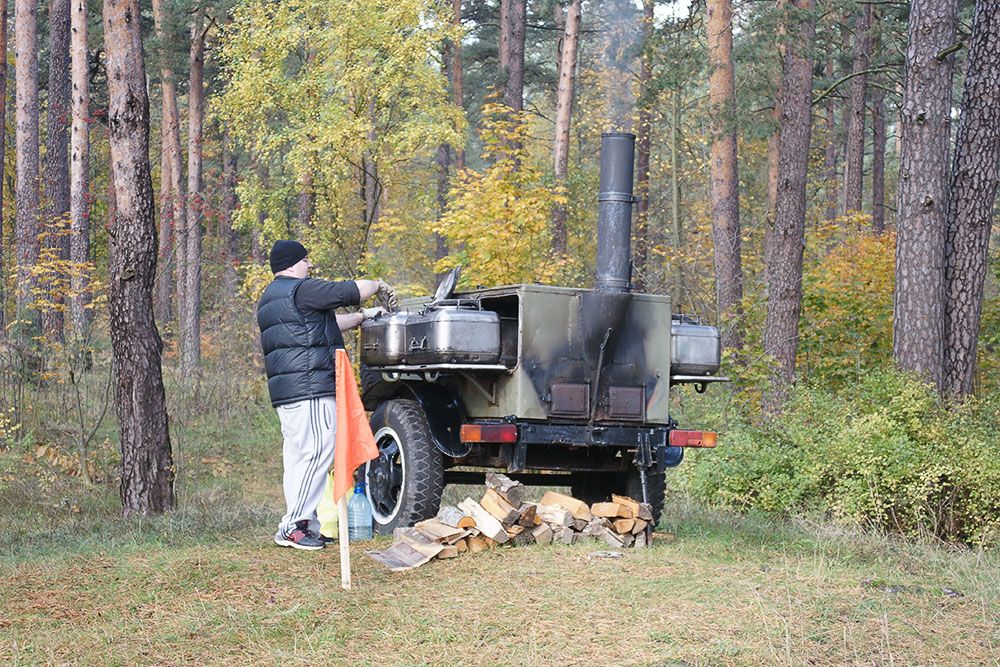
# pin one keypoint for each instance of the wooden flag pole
(345, 544)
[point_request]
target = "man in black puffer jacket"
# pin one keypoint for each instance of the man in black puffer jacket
(299, 331)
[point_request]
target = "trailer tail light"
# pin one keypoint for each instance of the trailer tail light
(488, 433)
(693, 438)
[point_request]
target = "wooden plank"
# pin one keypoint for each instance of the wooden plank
(527, 515)
(509, 490)
(454, 517)
(439, 531)
(476, 544)
(498, 506)
(555, 516)
(405, 555)
(639, 510)
(487, 524)
(623, 526)
(579, 508)
(411, 535)
(612, 510)
(542, 534)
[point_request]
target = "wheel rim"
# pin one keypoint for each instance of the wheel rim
(385, 476)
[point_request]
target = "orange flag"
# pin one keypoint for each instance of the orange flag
(355, 443)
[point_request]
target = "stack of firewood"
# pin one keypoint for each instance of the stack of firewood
(502, 516)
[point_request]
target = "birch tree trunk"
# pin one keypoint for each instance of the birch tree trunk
(79, 249)
(922, 194)
(190, 332)
(26, 118)
(854, 168)
(974, 176)
(147, 462)
(725, 177)
(785, 235)
(564, 112)
(56, 160)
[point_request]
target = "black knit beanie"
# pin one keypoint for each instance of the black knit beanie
(285, 254)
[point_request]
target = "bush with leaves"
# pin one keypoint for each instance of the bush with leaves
(883, 454)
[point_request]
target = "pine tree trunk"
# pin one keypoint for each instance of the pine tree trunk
(677, 280)
(147, 463)
(56, 162)
(3, 146)
(513, 23)
(79, 250)
(830, 154)
(26, 224)
(973, 189)
(443, 181)
(725, 179)
(229, 242)
(854, 168)
(785, 235)
(878, 159)
(564, 113)
(190, 333)
(173, 216)
(456, 78)
(644, 145)
(918, 309)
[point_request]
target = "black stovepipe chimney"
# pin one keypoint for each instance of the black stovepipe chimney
(614, 227)
(602, 311)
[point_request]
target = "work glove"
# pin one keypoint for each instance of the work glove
(386, 296)
(372, 313)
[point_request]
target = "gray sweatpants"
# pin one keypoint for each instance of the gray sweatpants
(309, 429)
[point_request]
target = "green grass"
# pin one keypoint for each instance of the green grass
(205, 584)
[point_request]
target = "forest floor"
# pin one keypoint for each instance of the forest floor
(205, 584)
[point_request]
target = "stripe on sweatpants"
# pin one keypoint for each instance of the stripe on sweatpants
(315, 432)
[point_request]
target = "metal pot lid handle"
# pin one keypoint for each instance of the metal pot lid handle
(447, 285)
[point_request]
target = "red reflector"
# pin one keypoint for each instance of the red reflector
(680, 438)
(488, 433)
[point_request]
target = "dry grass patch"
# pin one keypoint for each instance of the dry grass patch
(708, 598)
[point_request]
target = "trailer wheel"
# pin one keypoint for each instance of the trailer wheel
(405, 482)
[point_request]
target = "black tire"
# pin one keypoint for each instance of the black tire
(597, 487)
(405, 482)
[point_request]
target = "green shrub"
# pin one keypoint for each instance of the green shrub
(884, 454)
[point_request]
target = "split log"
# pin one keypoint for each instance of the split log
(522, 539)
(580, 509)
(490, 542)
(639, 510)
(612, 539)
(564, 535)
(487, 524)
(542, 534)
(454, 517)
(628, 539)
(640, 540)
(612, 510)
(640, 525)
(595, 528)
(623, 526)
(439, 531)
(450, 551)
(511, 491)
(462, 545)
(555, 516)
(579, 525)
(476, 544)
(527, 516)
(498, 506)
